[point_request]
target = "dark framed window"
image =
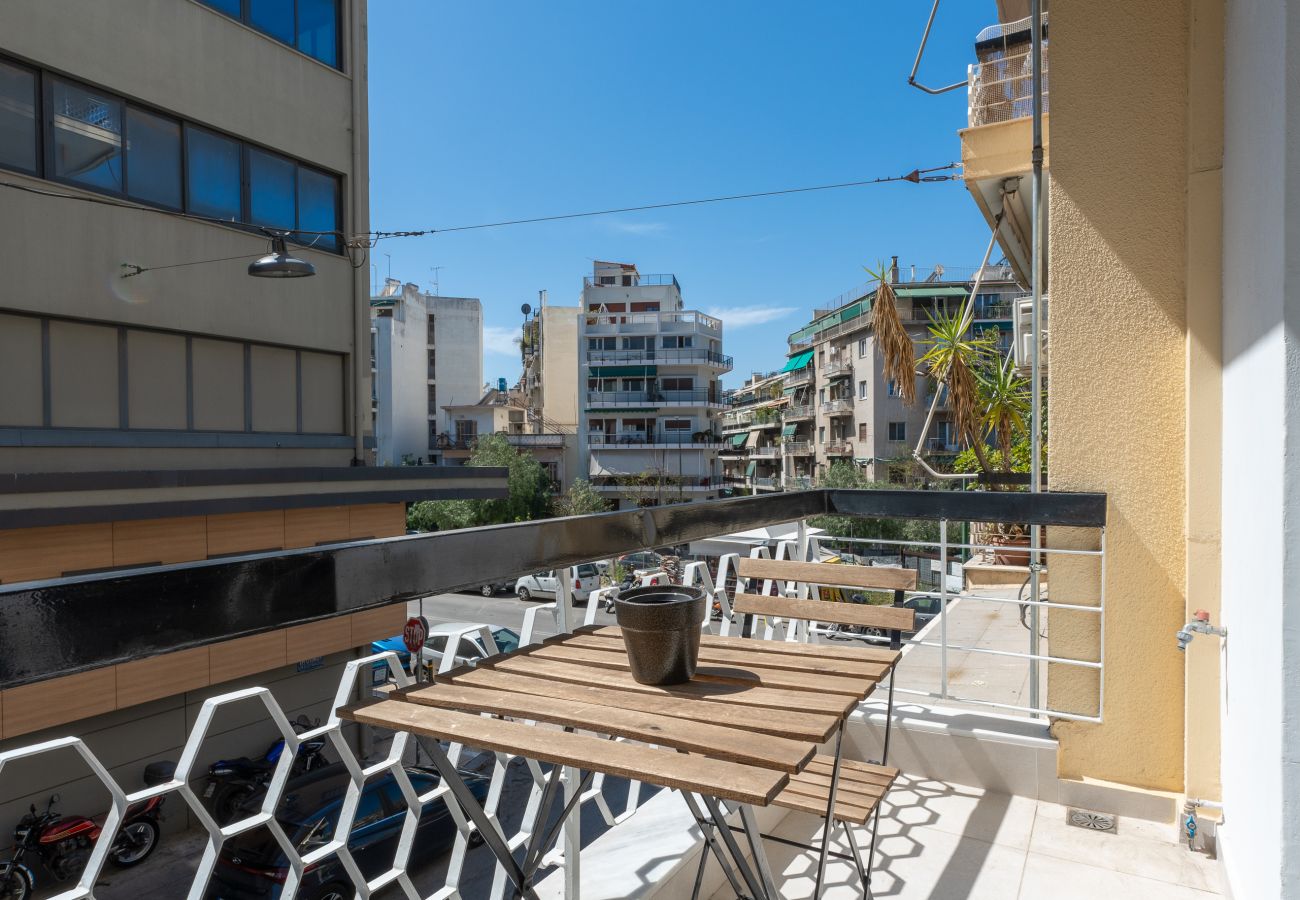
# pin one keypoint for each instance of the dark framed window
(153, 158)
(54, 128)
(19, 103)
(86, 136)
(898, 431)
(310, 26)
(214, 175)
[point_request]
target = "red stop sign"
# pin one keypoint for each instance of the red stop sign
(415, 633)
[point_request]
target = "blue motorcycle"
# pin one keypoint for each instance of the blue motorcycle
(233, 782)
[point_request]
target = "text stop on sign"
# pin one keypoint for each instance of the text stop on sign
(415, 633)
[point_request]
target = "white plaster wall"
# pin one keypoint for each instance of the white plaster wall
(1261, 482)
(458, 331)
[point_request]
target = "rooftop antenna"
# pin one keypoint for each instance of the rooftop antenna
(435, 270)
(389, 256)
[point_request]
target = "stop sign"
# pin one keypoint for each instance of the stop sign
(415, 633)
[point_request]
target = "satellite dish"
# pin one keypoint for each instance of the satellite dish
(525, 309)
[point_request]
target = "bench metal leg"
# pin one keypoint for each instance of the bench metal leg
(710, 846)
(759, 883)
(829, 825)
(755, 840)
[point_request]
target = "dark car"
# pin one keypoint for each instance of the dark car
(252, 864)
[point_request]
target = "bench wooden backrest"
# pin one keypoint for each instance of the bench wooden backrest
(886, 618)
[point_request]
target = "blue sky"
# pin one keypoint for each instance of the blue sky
(483, 111)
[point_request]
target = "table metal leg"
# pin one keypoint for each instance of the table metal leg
(756, 887)
(711, 845)
(755, 840)
(829, 825)
(469, 805)
(864, 872)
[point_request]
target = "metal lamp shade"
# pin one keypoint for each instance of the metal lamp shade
(279, 264)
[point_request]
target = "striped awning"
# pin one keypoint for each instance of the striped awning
(751, 439)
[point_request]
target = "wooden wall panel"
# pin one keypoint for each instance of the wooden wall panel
(160, 541)
(27, 554)
(377, 624)
(247, 656)
(309, 527)
(245, 532)
(48, 703)
(376, 520)
(143, 680)
(318, 638)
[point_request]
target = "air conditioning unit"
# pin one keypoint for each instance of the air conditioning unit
(1023, 333)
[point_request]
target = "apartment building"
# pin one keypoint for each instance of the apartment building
(504, 412)
(548, 383)
(754, 435)
(427, 354)
(188, 411)
(840, 402)
(651, 392)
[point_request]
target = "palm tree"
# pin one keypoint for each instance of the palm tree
(1004, 403)
(953, 357)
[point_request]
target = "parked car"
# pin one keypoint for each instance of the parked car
(471, 648)
(491, 588)
(253, 867)
(379, 670)
(544, 585)
(640, 561)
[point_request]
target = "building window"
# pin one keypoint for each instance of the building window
(311, 26)
(862, 347)
(213, 175)
(862, 390)
(602, 384)
(898, 431)
(17, 118)
(678, 384)
(100, 142)
(607, 280)
(677, 341)
(466, 432)
(677, 425)
(893, 388)
(634, 384)
(821, 395)
(87, 129)
(602, 343)
(153, 165)
(862, 431)
(821, 434)
(635, 343)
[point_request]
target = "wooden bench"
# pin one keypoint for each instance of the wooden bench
(861, 786)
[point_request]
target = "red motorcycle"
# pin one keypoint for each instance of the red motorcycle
(63, 844)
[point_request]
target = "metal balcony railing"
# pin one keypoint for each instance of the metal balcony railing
(799, 376)
(797, 448)
(766, 481)
(367, 575)
(838, 448)
(696, 397)
(538, 440)
(737, 420)
(770, 451)
(662, 355)
(837, 367)
(793, 413)
(797, 482)
(1001, 90)
(616, 281)
(634, 439)
(687, 322)
(840, 406)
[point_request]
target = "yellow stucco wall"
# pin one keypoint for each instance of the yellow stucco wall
(1118, 390)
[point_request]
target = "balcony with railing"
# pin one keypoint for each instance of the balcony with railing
(976, 800)
(837, 448)
(641, 440)
(737, 420)
(656, 398)
(798, 413)
(682, 356)
(1000, 84)
(797, 482)
(767, 451)
(799, 377)
(687, 322)
(840, 406)
(838, 367)
(630, 280)
(553, 440)
(797, 448)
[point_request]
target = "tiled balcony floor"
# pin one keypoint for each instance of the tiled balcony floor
(949, 842)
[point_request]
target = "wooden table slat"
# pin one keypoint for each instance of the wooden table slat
(743, 657)
(826, 651)
(716, 741)
(771, 698)
(667, 768)
(793, 725)
(857, 686)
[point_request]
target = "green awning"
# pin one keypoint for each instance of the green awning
(749, 469)
(931, 292)
(786, 392)
(798, 361)
(738, 440)
(789, 430)
(625, 371)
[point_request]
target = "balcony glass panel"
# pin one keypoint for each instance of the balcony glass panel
(87, 137)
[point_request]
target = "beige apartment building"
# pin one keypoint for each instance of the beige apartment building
(842, 406)
(548, 384)
(187, 411)
(752, 431)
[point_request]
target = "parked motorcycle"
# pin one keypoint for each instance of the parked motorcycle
(232, 782)
(62, 844)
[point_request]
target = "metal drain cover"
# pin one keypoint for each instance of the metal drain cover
(1093, 821)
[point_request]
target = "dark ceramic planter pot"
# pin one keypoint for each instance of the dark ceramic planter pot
(661, 628)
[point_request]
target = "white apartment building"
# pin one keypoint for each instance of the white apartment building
(426, 355)
(648, 372)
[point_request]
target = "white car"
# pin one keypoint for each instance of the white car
(471, 647)
(544, 585)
